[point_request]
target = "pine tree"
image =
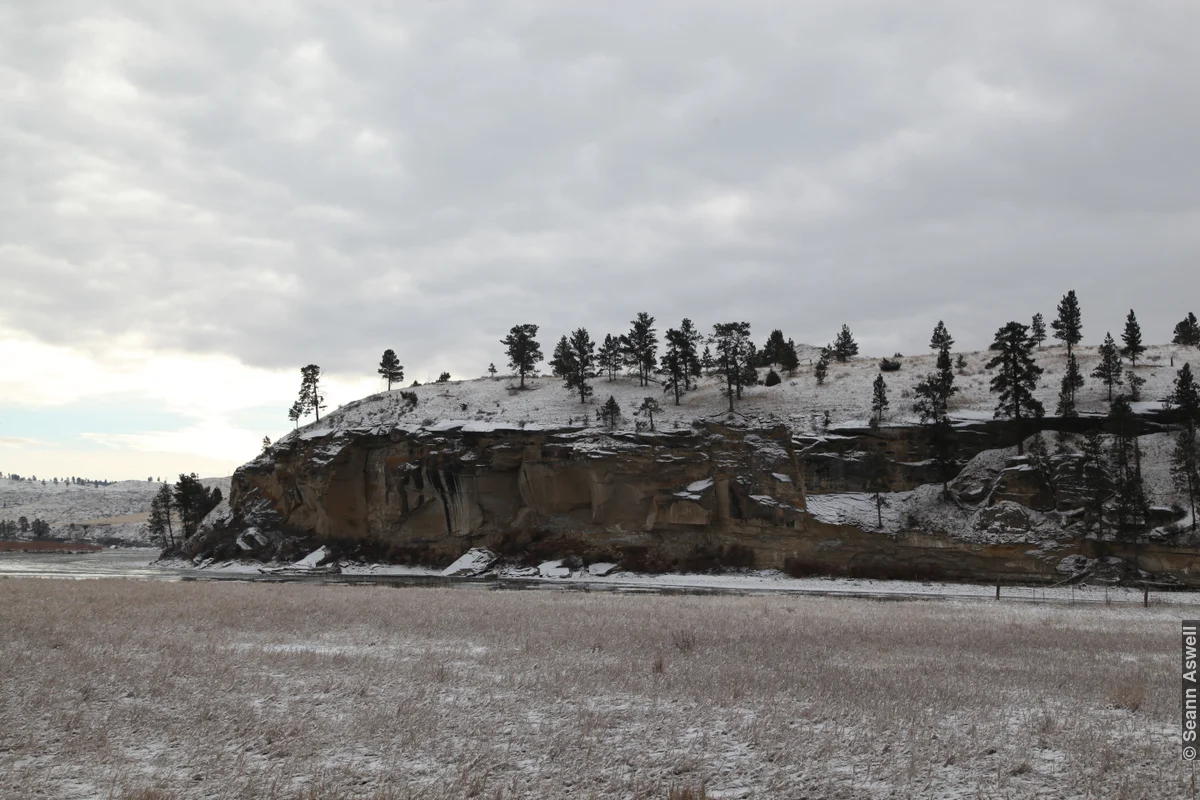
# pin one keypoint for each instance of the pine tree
(610, 413)
(1129, 496)
(390, 369)
(674, 363)
(1109, 368)
(941, 338)
(609, 357)
(689, 351)
(560, 363)
(960, 364)
(790, 362)
(492, 370)
(821, 369)
(934, 391)
(1016, 379)
(1185, 398)
(1069, 325)
(1039, 459)
(775, 350)
(524, 352)
(1037, 330)
(266, 445)
(844, 346)
(192, 502)
(1185, 467)
(932, 406)
(1097, 486)
(734, 352)
(878, 480)
(879, 400)
(1135, 386)
(159, 524)
(1071, 380)
(649, 407)
(295, 413)
(581, 360)
(1187, 332)
(641, 349)
(1132, 337)
(707, 362)
(311, 399)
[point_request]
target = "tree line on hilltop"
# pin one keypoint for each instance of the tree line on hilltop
(684, 354)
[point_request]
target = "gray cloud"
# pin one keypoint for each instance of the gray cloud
(292, 183)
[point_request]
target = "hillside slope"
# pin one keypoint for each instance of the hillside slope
(110, 514)
(798, 401)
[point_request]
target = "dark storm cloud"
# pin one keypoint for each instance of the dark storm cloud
(294, 182)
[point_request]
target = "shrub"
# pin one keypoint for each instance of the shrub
(773, 378)
(409, 398)
(889, 365)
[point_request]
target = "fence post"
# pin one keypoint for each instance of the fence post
(1146, 596)
(997, 591)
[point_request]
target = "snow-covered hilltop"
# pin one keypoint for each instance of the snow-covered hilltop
(798, 401)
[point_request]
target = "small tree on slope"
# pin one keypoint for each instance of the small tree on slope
(610, 413)
(879, 400)
(390, 369)
(1016, 377)
(609, 357)
(1129, 497)
(641, 351)
(1068, 327)
(1185, 458)
(1187, 332)
(581, 350)
(1037, 330)
(844, 346)
(1109, 368)
(1132, 337)
(878, 481)
(1066, 393)
(941, 338)
(732, 359)
(524, 352)
(311, 398)
(649, 407)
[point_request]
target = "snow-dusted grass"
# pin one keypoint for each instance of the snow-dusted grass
(243, 690)
(798, 401)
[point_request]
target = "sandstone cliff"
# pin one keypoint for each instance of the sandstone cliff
(714, 495)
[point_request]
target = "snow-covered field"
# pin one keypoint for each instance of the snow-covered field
(191, 690)
(798, 401)
(86, 512)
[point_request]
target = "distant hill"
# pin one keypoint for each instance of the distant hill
(112, 514)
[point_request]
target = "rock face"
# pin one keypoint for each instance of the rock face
(712, 496)
(663, 499)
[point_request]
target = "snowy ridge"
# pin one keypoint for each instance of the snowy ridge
(491, 404)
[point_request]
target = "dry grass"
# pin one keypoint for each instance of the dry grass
(155, 691)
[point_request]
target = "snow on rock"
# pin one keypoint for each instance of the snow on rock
(601, 568)
(471, 563)
(700, 486)
(313, 559)
(553, 569)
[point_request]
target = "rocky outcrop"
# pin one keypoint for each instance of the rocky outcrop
(712, 496)
(712, 493)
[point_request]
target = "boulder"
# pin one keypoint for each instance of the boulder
(474, 562)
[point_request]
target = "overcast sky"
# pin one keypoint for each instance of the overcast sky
(199, 198)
